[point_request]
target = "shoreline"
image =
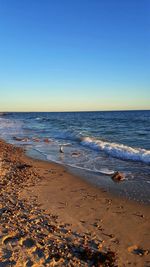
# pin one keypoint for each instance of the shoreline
(124, 189)
(96, 155)
(117, 225)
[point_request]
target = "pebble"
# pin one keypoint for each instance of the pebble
(118, 176)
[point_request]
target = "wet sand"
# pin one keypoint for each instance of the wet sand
(50, 217)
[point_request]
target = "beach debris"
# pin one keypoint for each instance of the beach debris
(138, 251)
(21, 139)
(61, 149)
(75, 154)
(118, 176)
(36, 139)
(23, 166)
(109, 235)
(139, 215)
(46, 140)
(17, 138)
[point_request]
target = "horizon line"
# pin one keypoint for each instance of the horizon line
(65, 111)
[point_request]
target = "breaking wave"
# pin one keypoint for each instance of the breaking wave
(9, 128)
(118, 150)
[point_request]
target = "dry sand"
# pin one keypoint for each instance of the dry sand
(49, 217)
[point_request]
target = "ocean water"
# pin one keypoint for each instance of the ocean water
(95, 144)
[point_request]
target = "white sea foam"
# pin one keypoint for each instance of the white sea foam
(101, 171)
(118, 150)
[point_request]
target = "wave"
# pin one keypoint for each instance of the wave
(118, 150)
(10, 127)
(67, 135)
(101, 171)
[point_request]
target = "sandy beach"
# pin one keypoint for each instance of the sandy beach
(49, 217)
(74, 133)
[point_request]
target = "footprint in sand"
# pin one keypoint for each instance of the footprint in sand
(28, 242)
(11, 238)
(39, 252)
(29, 263)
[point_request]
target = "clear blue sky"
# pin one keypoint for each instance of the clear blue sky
(58, 55)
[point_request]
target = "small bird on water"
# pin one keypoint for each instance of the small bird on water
(61, 149)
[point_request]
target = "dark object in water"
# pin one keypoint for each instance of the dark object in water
(118, 176)
(35, 139)
(75, 154)
(17, 138)
(20, 139)
(4, 113)
(46, 140)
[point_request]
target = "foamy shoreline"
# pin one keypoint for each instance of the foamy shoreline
(131, 190)
(101, 142)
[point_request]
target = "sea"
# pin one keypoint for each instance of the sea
(94, 145)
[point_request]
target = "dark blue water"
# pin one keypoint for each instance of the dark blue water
(94, 142)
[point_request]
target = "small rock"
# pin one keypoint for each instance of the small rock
(75, 154)
(138, 251)
(23, 166)
(36, 140)
(28, 243)
(118, 176)
(13, 201)
(46, 140)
